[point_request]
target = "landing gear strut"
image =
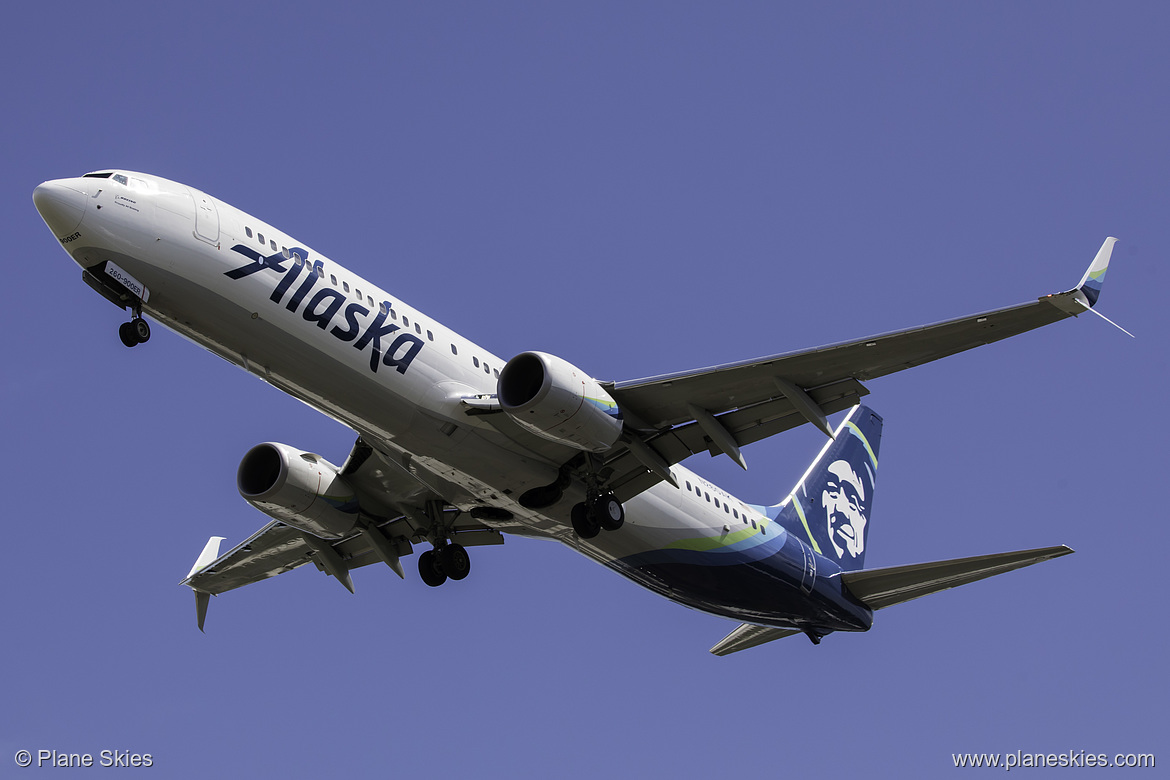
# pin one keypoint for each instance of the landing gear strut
(134, 332)
(447, 560)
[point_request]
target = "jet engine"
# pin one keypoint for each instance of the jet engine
(298, 488)
(558, 401)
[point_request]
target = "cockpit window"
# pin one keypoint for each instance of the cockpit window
(105, 175)
(120, 179)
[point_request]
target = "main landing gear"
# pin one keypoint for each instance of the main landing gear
(134, 332)
(447, 561)
(450, 561)
(601, 511)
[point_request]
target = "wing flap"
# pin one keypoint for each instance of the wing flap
(746, 426)
(881, 588)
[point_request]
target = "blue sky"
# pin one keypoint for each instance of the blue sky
(638, 188)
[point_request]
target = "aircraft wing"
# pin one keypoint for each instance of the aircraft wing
(721, 408)
(382, 537)
(277, 548)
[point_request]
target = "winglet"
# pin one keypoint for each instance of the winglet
(1089, 290)
(209, 554)
(1090, 284)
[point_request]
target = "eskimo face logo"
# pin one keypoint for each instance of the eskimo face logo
(327, 303)
(843, 500)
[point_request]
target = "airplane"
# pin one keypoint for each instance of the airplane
(458, 448)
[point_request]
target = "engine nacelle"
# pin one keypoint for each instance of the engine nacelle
(558, 401)
(298, 488)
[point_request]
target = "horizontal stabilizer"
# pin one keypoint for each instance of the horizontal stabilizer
(880, 588)
(747, 635)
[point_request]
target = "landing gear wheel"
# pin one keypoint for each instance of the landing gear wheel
(455, 561)
(608, 512)
(134, 332)
(430, 569)
(127, 335)
(585, 523)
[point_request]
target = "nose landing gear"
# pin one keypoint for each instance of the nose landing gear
(134, 332)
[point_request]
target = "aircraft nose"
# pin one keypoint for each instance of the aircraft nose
(61, 203)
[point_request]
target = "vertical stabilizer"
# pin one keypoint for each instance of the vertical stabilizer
(829, 508)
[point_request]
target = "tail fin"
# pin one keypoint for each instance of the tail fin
(830, 507)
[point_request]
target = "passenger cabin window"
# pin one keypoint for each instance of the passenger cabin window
(475, 361)
(454, 350)
(345, 287)
(430, 336)
(382, 307)
(261, 237)
(248, 231)
(272, 243)
(333, 280)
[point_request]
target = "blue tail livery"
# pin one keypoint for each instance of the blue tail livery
(829, 508)
(829, 512)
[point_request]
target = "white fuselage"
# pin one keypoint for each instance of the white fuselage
(262, 300)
